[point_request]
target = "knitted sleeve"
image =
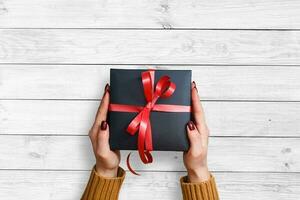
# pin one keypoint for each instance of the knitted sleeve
(102, 188)
(199, 191)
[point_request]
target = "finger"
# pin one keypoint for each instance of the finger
(103, 139)
(193, 136)
(197, 109)
(103, 107)
(96, 125)
(199, 115)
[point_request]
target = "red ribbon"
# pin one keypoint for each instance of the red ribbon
(141, 123)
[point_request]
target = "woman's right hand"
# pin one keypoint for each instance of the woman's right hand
(107, 161)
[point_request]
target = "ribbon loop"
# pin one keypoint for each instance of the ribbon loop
(147, 81)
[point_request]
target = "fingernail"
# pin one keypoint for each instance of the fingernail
(107, 88)
(191, 125)
(195, 85)
(103, 125)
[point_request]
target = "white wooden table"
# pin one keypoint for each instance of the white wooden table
(55, 57)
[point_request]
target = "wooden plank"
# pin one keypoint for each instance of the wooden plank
(225, 154)
(263, 83)
(94, 46)
(69, 185)
(70, 117)
(150, 14)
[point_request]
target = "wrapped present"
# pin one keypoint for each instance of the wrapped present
(149, 110)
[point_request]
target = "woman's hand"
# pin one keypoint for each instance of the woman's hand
(195, 159)
(107, 161)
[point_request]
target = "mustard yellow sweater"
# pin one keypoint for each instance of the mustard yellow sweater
(101, 188)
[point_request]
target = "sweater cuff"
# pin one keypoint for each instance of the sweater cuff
(102, 188)
(199, 191)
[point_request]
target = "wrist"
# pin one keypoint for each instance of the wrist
(198, 175)
(107, 173)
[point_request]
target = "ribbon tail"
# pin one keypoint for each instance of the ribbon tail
(149, 157)
(129, 166)
(148, 139)
(141, 136)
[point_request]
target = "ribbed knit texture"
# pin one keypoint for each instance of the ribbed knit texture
(102, 188)
(199, 191)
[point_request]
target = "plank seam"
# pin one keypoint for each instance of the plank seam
(85, 135)
(160, 64)
(151, 29)
(204, 100)
(149, 171)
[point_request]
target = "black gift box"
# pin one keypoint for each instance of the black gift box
(168, 128)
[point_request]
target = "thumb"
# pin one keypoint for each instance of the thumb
(103, 138)
(193, 135)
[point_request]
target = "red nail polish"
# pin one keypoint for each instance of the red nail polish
(103, 125)
(191, 125)
(107, 88)
(195, 85)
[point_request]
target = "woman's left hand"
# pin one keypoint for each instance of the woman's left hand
(195, 159)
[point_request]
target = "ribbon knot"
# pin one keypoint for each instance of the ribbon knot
(149, 106)
(141, 123)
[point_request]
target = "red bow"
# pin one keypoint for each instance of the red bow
(141, 123)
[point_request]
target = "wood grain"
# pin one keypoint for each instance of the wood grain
(55, 58)
(93, 46)
(225, 154)
(228, 14)
(251, 83)
(69, 185)
(71, 117)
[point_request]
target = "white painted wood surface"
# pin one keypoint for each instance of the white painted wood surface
(68, 185)
(55, 58)
(75, 153)
(98, 46)
(255, 83)
(227, 14)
